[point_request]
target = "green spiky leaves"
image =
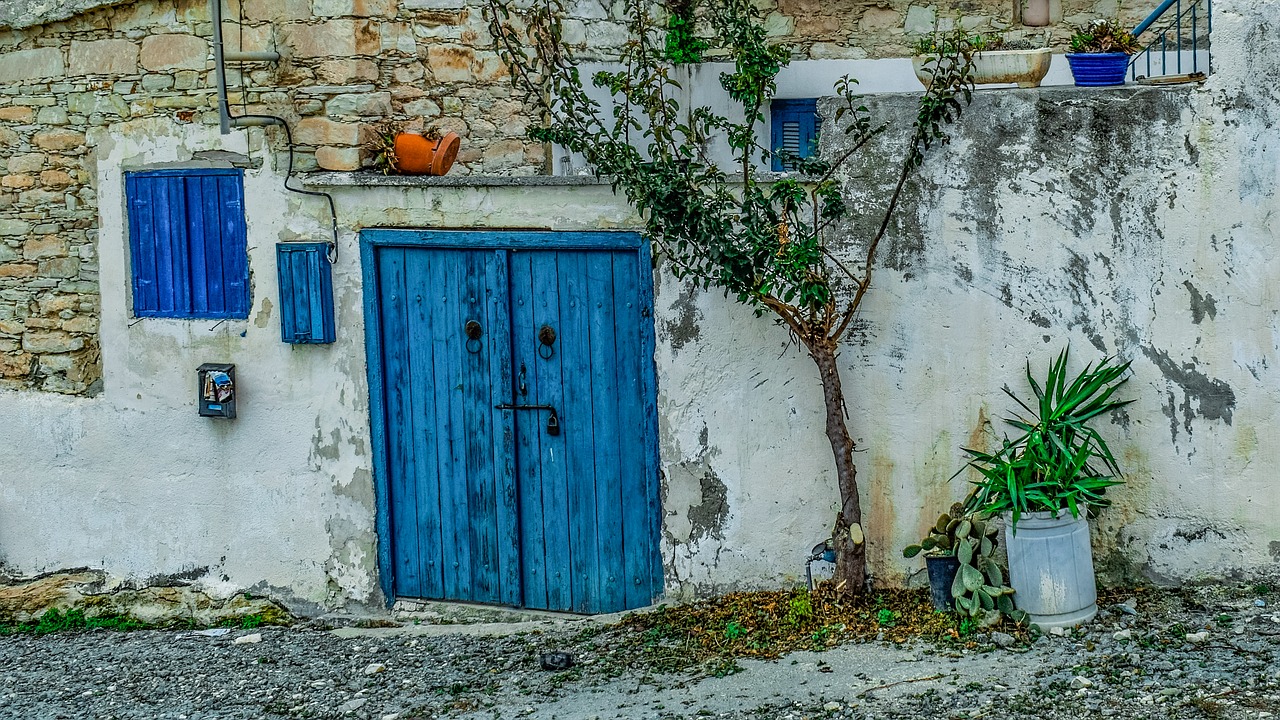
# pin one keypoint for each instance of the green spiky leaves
(1057, 461)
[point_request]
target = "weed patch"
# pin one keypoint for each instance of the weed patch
(768, 624)
(75, 620)
(57, 621)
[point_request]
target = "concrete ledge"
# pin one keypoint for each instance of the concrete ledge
(370, 179)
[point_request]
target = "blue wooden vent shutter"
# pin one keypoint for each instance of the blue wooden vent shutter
(794, 128)
(306, 293)
(188, 245)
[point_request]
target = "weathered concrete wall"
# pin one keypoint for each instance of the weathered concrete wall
(1130, 222)
(133, 482)
(1136, 223)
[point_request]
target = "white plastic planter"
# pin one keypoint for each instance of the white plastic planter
(1051, 568)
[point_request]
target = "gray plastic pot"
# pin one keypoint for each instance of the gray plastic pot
(1051, 568)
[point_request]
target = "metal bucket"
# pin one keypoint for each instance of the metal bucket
(1051, 568)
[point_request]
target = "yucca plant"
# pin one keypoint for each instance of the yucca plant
(1058, 462)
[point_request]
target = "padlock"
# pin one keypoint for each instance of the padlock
(553, 424)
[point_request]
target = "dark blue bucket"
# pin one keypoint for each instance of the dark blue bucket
(1098, 69)
(942, 572)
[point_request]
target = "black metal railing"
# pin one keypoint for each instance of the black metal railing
(1180, 47)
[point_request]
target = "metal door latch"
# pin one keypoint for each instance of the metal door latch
(553, 422)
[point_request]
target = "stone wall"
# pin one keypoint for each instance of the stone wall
(347, 65)
(825, 29)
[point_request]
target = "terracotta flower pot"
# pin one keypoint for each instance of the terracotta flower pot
(417, 155)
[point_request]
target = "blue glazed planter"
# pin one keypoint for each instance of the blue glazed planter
(1098, 69)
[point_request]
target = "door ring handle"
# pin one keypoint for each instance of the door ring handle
(547, 339)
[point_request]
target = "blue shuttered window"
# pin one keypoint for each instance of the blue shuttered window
(306, 293)
(188, 243)
(793, 127)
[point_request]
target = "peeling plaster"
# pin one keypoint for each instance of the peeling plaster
(1201, 305)
(264, 314)
(1214, 399)
(706, 519)
(683, 328)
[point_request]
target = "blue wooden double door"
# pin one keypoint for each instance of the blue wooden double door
(518, 417)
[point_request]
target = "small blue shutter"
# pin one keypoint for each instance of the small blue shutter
(306, 293)
(188, 243)
(793, 127)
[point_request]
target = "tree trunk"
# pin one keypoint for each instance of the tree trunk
(847, 537)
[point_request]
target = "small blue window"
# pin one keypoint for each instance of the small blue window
(188, 243)
(793, 127)
(306, 293)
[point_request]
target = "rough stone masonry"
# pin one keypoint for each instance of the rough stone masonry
(66, 67)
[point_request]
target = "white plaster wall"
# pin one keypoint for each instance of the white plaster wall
(1140, 224)
(134, 482)
(1007, 249)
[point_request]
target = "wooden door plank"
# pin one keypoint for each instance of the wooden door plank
(497, 339)
(573, 346)
(421, 416)
(637, 545)
(478, 426)
(649, 445)
(606, 397)
(445, 284)
(528, 445)
(399, 411)
(376, 365)
(553, 460)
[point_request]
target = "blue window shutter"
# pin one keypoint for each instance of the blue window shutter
(306, 293)
(188, 243)
(793, 126)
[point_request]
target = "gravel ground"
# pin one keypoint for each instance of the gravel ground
(1206, 653)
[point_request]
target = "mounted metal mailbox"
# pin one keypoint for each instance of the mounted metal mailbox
(306, 293)
(216, 389)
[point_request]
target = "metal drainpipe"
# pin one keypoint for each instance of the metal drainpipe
(220, 57)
